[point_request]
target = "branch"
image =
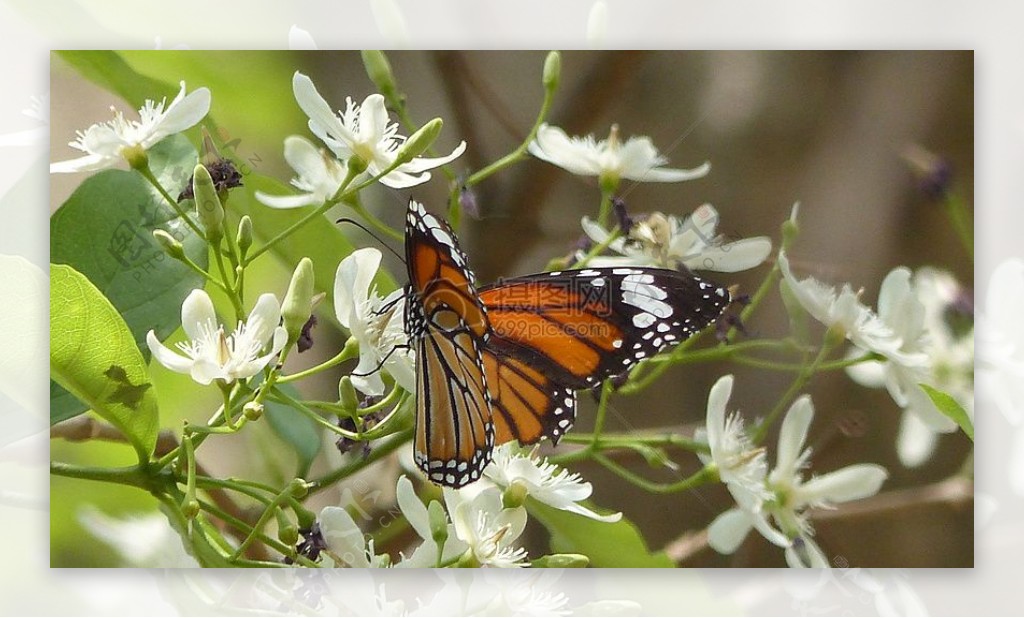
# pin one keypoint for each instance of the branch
(83, 428)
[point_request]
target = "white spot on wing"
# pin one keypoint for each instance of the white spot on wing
(643, 320)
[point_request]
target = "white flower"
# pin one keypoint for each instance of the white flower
(319, 175)
(210, 354)
(666, 241)
(741, 466)
(542, 481)
(364, 131)
(1001, 332)
(845, 312)
(488, 529)
(609, 159)
(375, 323)
(916, 309)
(143, 540)
(415, 512)
(104, 142)
(346, 542)
(792, 496)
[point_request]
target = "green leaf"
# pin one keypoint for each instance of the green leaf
(105, 231)
(320, 240)
(94, 357)
(616, 544)
(109, 70)
(298, 430)
(949, 406)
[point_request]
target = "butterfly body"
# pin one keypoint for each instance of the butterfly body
(503, 362)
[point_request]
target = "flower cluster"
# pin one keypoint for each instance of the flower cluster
(479, 524)
(776, 503)
(912, 338)
(360, 139)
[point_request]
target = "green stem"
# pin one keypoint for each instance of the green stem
(267, 540)
(268, 512)
(829, 366)
(379, 452)
(283, 397)
(702, 477)
(147, 173)
(604, 211)
(134, 476)
(229, 286)
(350, 351)
(520, 152)
(760, 432)
(599, 248)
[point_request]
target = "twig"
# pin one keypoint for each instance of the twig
(83, 428)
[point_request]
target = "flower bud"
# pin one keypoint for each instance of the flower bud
(287, 532)
(347, 395)
(253, 410)
(298, 488)
(298, 302)
(552, 70)
(561, 561)
(419, 141)
(244, 237)
(790, 228)
(378, 69)
(208, 207)
(438, 523)
(169, 244)
(190, 508)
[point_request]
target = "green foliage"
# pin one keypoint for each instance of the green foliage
(298, 431)
(105, 231)
(617, 544)
(949, 407)
(93, 356)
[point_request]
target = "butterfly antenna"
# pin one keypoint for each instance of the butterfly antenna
(378, 238)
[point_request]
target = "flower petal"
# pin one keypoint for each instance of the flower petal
(793, 435)
(184, 112)
(400, 180)
(414, 510)
(849, 483)
(718, 398)
(421, 164)
(289, 201)
(352, 284)
(732, 257)
(667, 174)
(264, 318)
(551, 144)
(88, 163)
(806, 554)
(343, 537)
(727, 531)
(167, 357)
(373, 120)
(205, 371)
(322, 118)
(197, 312)
(916, 441)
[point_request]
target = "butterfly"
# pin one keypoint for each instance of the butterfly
(503, 362)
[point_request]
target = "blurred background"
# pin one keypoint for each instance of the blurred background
(826, 129)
